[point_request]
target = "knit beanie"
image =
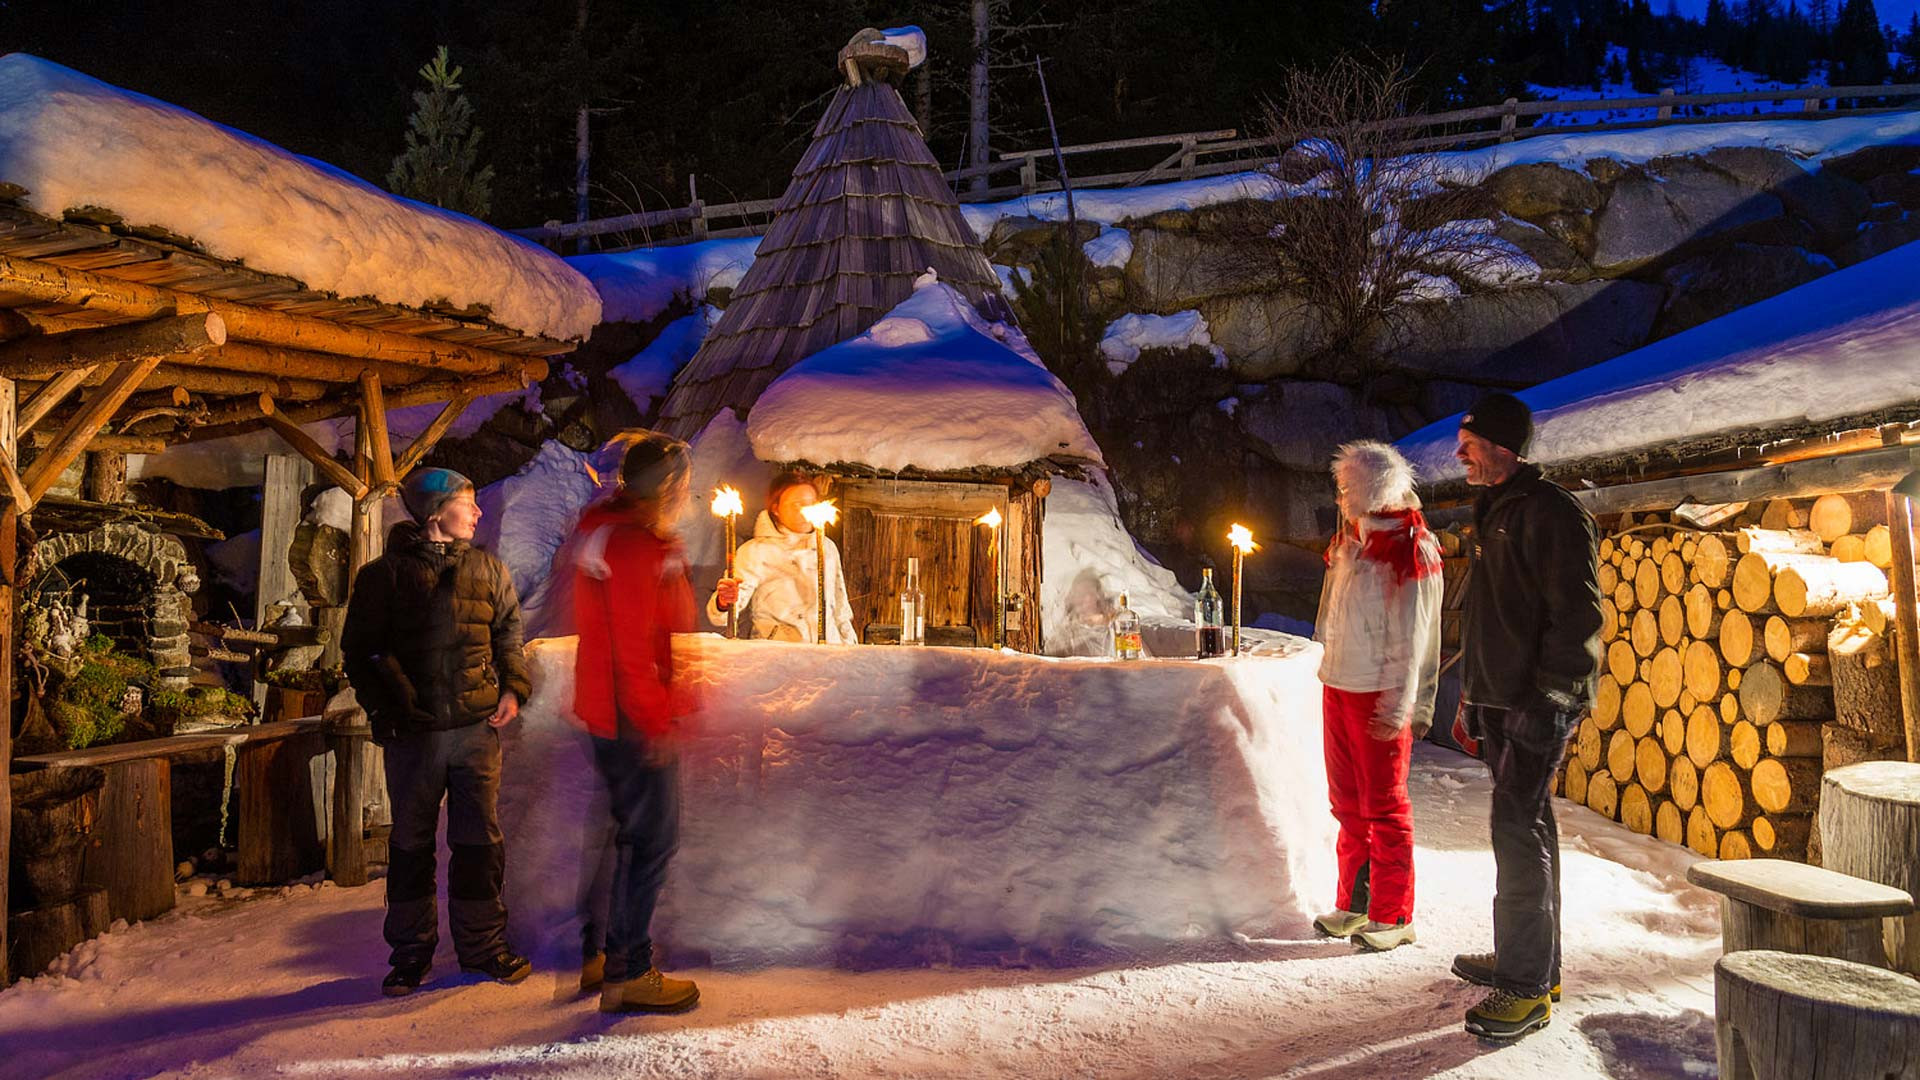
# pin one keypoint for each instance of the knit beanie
(1501, 419)
(425, 491)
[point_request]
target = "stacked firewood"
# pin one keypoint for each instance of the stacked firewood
(1745, 652)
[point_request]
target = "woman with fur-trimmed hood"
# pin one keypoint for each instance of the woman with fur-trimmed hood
(1380, 626)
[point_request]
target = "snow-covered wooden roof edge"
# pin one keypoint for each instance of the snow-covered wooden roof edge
(1024, 475)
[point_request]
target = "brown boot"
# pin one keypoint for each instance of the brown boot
(593, 972)
(649, 992)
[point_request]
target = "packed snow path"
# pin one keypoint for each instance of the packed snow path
(288, 985)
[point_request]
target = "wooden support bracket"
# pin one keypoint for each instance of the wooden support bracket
(422, 446)
(50, 395)
(84, 426)
(373, 416)
(304, 445)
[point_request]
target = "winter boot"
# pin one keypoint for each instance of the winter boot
(649, 992)
(593, 972)
(1379, 937)
(1340, 922)
(404, 979)
(506, 966)
(1505, 1015)
(1477, 968)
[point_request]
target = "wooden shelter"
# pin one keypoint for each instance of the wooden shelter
(867, 212)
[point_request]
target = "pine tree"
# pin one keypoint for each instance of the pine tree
(443, 146)
(1859, 46)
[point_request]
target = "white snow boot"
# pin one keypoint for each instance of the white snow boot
(1340, 922)
(1379, 937)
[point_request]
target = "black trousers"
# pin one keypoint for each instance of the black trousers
(461, 766)
(1524, 748)
(645, 801)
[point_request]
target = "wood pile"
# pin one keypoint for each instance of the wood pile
(1745, 651)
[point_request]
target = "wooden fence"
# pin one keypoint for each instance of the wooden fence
(1197, 154)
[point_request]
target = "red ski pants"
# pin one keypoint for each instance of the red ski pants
(1367, 785)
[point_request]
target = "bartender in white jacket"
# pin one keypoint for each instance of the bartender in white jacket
(1380, 625)
(775, 577)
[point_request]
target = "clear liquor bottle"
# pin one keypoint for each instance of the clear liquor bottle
(1126, 633)
(913, 608)
(1210, 612)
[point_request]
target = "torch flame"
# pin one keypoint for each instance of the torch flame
(991, 519)
(726, 502)
(1242, 539)
(820, 514)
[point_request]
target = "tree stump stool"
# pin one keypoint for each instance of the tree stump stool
(1780, 1016)
(1870, 828)
(1796, 908)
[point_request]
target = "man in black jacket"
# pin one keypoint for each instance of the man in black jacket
(1531, 648)
(432, 648)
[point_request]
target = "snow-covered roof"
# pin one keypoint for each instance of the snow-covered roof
(1844, 346)
(73, 141)
(932, 386)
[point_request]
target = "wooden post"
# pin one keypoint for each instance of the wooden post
(699, 208)
(346, 835)
(9, 525)
(373, 418)
(1029, 176)
(1510, 119)
(106, 480)
(1907, 648)
(1186, 159)
(1665, 112)
(287, 475)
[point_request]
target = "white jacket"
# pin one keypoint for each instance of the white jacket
(1381, 624)
(779, 589)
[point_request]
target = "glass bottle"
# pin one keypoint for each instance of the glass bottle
(913, 608)
(1210, 612)
(1126, 633)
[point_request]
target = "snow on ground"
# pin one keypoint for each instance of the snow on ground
(289, 986)
(1693, 75)
(1854, 334)
(73, 141)
(648, 375)
(1111, 249)
(930, 386)
(636, 286)
(1128, 335)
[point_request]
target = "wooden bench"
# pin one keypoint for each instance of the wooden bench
(1782, 1016)
(1795, 908)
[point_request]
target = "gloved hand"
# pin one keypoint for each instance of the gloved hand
(1389, 719)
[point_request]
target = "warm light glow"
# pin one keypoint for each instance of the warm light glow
(991, 519)
(820, 514)
(726, 502)
(1242, 539)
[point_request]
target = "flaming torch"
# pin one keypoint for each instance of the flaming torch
(727, 506)
(820, 515)
(1242, 541)
(991, 519)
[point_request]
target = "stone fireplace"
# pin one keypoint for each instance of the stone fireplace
(137, 582)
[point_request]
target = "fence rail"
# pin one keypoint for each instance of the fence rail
(1196, 154)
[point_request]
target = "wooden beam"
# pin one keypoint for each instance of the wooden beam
(425, 393)
(9, 525)
(49, 354)
(50, 394)
(1873, 470)
(84, 425)
(287, 475)
(202, 380)
(38, 282)
(303, 443)
(373, 417)
(422, 446)
(1906, 643)
(302, 364)
(103, 442)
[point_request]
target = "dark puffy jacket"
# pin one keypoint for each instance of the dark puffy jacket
(432, 636)
(1532, 629)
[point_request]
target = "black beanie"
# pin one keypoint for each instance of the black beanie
(1501, 419)
(649, 461)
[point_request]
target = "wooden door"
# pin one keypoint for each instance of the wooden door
(888, 521)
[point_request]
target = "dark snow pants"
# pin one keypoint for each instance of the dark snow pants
(461, 766)
(1524, 748)
(645, 799)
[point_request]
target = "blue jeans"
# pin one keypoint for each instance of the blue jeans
(645, 801)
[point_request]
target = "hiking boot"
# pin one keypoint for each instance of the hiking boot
(1477, 968)
(506, 966)
(1379, 937)
(1340, 922)
(649, 992)
(404, 979)
(1505, 1015)
(593, 971)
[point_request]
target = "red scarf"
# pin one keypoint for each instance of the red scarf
(1397, 545)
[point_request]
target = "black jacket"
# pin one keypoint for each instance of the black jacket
(1532, 629)
(432, 636)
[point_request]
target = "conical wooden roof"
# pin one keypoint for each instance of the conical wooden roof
(866, 213)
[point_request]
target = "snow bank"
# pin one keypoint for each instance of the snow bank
(931, 386)
(1111, 249)
(1128, 335)
(636, 286)
(648, 375)
(883, 805)
(524, 520)
(1843, 345)
(1087, 561)
(74, 141)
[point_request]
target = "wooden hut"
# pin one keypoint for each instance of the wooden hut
(867, 211)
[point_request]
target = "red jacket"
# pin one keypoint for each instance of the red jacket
(630, 596)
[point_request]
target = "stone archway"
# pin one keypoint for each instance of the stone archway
(157, 564)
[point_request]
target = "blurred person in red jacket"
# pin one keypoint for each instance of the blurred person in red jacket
(630, 596)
